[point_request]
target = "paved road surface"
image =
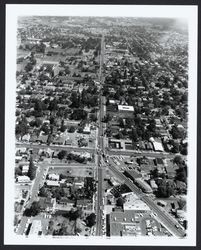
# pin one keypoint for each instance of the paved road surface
(54, 147)
(141, 153)
(99, 202)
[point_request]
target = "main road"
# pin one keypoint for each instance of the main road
(166, 219)
(99, 201)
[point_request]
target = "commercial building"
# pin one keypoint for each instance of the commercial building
(132, 202)
(125, 223)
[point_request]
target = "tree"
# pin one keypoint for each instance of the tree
(93, 117)
(33, 210)
(18, 171)
(154, 173)
(43, 192)
(28, 67)
(53, 105)
(45, 128)
(78, 114)
(63, 128)
(22, 127)
(61, 155)
(91, 220)
(181, 174)
(165, 189)
(120, 202)
(74, 215)
(178, 160)
(75, 99)
(71, 129)
(134, 135)
(32, 169)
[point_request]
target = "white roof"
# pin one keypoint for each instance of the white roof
(125, 108)
(54, 176)
(35, 227)
(132, 202)
(158, 146)
(86, 154)
(25, 167)
(86, 128)
(112, 101)
(23, 178)
(52, 183)
(22, 150)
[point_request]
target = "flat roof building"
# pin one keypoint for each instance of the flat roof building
(158, 146)
(125, 108)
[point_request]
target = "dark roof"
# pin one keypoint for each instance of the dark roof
(45, 202)
(132, 173)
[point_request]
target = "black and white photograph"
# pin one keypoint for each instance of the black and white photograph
(100, 132)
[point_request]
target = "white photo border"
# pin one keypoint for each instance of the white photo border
(189, 12)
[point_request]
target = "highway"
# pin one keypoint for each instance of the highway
(99, 201)
(164, 218)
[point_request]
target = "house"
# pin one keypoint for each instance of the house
(153, 185)
(158, 146)
(23, 179)
(66, 202)
(87, 129)
(26, 138)
(18, 158)
(84, 204)
(25, 169)
(52, 183)
(59, 140)
(42, 139)
(79, 184)
(54, 177)
(21, 151)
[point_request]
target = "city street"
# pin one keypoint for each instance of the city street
(99, 201)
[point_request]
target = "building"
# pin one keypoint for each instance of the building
(51, 183)
(124, 223)
(143, 185)
(66, 202)
(153, 184)
(84, 204)
(47, 204)
(87, 129)
(125, 111)
(158, 146)
(23, 179)
(25, 169)
(132, 174)
(36, 228)
(54, 177)
(132, 202)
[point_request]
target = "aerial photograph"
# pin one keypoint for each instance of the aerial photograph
(101, 127)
